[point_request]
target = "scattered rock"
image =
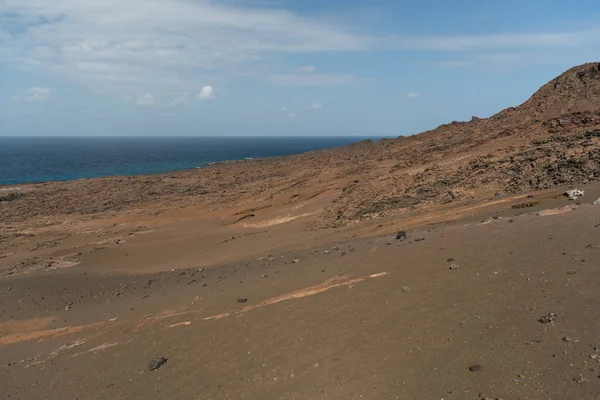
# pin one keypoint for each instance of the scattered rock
(401, 235)
(596, 202)
(527, 204)
(475, 368)
(296, 260)
(567, 339)
(156, 363)
(574, 194)
(405, 289)
(242, 299)
(571, 272)
(453, 266)
(580, 379)
(448, 197)
(511, 220)
(548, 319)
(450, 259)
(419, 239)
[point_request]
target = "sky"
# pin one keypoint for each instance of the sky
(278, 67)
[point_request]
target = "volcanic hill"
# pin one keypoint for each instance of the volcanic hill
(551, 139)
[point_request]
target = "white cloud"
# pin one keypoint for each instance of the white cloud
(168, 46)
(145, 100)
(159, 45)
(284, 109)
(207, 93)
(307, 69)
(316, 106)
(292, 115)
(500, 41)
(178, 100)
(314, 79)
(36, 93)
(413, 95)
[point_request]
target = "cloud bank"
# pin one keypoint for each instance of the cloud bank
(166, 47)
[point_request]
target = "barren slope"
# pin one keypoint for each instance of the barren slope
(551, 139)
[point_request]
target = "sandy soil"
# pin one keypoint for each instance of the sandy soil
(85, 304)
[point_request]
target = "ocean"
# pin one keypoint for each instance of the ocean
(40, 159)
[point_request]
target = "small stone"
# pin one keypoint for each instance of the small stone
(450, 259)
(156, 363)
(419, 239)
(405, 289)
(511, 220)
(574, 194)
(296, 260)
(596, 202)
(567, 339)
(265, 276)
(475, 368)
(242, 299)
(453, 266)
(571, 272)
(401, 235)
(548, 319)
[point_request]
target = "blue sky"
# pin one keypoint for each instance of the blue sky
(278, 67)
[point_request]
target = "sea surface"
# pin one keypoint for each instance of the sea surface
(40, 159)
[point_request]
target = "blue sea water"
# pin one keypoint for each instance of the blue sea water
(39, 159)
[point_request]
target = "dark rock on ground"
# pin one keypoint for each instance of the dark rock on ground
(156, 363)
(548, 319)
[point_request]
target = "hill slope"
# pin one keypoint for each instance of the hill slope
(551, 139)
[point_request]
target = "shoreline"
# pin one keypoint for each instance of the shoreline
(191, 168)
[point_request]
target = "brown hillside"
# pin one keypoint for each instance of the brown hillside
(551, 139)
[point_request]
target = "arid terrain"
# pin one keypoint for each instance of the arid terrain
(286, 278)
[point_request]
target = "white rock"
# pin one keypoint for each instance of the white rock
(574, 194)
